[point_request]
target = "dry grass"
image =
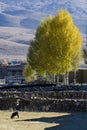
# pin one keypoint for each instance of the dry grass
(28, 120)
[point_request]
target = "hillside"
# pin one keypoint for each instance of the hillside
(19, 19)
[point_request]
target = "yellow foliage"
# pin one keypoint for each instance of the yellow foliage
(57, 45)
(28, 73)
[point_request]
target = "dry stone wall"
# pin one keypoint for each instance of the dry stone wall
(44, 101)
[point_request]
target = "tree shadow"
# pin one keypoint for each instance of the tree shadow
(73, 121)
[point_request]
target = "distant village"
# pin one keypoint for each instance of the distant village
(11, 72)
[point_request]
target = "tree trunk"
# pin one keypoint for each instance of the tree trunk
(57, 80)
(74, 77)
(66, 79)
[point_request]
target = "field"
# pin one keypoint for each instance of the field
(43, 121)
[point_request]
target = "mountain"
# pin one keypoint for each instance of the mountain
(20, 18)
(28, 13)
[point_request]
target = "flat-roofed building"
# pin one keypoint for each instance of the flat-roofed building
(12, 73)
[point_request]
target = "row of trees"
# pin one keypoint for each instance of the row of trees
(56, 48)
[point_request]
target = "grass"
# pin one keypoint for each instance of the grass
(28, 120)
(44, 121)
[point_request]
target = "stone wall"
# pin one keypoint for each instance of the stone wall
(44, 101)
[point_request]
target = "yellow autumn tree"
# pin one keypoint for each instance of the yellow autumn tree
(57, 42)
(29, 73)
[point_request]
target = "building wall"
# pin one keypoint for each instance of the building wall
(82, 76)
(12, 73)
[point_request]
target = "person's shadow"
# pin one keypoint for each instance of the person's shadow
(74, 121)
